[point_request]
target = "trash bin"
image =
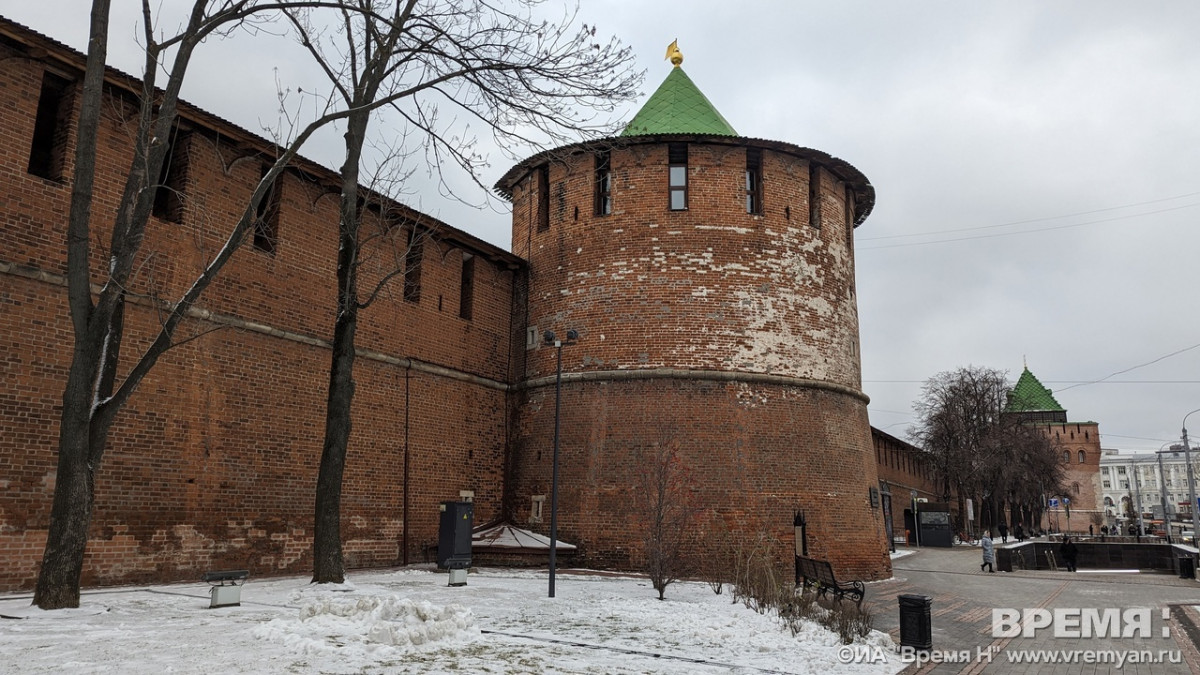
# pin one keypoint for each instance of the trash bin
(916, 629)
(1187, 567)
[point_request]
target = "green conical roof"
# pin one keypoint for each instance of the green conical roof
(678, 107)
(1030, 396)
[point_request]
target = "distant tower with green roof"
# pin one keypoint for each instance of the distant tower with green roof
(1077, 447)
(1029, 401)
(711, 279)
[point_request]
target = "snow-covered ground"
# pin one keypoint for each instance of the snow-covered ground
(411, 621)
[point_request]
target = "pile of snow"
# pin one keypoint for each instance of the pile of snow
(333, 621)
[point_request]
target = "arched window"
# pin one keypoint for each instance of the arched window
(1066, 456)
(1082, 457)
(1075, 488)
(1108, 501)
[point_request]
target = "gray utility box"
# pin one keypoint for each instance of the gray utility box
(454, 537)
(226, 587)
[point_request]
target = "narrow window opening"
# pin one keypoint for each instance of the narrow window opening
(754, 192)
(603, 192)
(48, 148)
(168, 197)
(677, 168)
(1082, 457)
(412, 266)
(849, 209)
(543, 203)
(814, 195)
(466, 297)
(266, 224)
(536, 508)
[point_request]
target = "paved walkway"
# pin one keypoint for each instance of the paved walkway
(964, 599)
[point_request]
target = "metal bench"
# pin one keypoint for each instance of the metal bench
(226, 587)
(818, 575)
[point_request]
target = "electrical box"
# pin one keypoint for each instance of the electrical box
(225, 596)
(454, 535)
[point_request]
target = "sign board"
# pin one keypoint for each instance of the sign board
(970, 510)
(1054, 502)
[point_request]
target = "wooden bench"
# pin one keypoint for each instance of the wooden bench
(818, 575)
(226, 587)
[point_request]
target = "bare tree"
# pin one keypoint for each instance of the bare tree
(93, 394)
(668, 505)
(491, 61)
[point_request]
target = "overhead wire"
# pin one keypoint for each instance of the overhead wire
(1132, 368)
(1012, 234)
(1043, 219)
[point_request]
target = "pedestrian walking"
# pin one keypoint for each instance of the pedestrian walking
(1003, 533)
(989, 552)
(1069, 552)
(1091, 530)
(1019, 532)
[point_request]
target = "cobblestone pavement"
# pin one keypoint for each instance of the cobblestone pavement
(962, 616)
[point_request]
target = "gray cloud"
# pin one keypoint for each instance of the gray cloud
(963, 115)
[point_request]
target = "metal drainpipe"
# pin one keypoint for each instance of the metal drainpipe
(404, 535)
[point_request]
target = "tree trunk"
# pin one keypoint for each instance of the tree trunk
(328, 563)
(71, 513)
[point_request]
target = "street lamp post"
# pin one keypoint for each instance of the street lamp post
(1137, 490)
(1162, 484)
(1162, 496)
(552, 341)
(1187, 459)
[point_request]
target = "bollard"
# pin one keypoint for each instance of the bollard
(916, 628)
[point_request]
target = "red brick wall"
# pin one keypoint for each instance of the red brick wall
(904, 468)
(1074, 438)
(712, 287)
(758, 452)
(213, 462)
(740, 334)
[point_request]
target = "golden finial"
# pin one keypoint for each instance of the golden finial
(674, 54)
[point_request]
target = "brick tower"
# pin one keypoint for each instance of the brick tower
(1078, 447)
(710, 278)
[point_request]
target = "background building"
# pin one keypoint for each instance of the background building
(1146, 486)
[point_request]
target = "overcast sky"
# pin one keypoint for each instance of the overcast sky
(1037, 169)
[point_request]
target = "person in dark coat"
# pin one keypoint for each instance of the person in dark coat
(1069, 552)
(1003, 533)
(1019, 532)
